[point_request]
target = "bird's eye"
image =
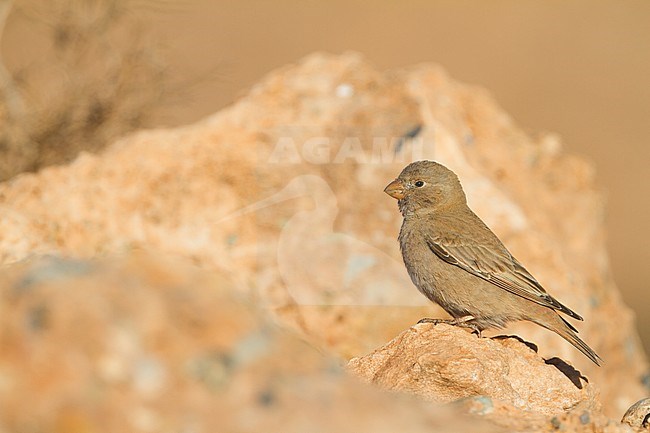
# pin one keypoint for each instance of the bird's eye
(419, 184)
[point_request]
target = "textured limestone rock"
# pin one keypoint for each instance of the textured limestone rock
(444, 364)
(503, 378)
(146, 344)
(283, 192)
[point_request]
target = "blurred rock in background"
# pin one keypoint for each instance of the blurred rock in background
(147, 343)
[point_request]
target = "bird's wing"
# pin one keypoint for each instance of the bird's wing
(496, 267)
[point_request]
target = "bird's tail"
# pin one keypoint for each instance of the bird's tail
(561, 327)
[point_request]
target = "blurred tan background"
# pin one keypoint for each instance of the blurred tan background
(577, 68)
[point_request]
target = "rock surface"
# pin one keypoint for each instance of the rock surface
(444, 364)
(501, 378)
(282, 192)
(146, 344)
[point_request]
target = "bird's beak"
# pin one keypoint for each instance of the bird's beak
(395, 189)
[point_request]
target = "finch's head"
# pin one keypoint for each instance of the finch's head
(424, 186)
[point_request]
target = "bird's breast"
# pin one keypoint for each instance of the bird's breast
(420, 262)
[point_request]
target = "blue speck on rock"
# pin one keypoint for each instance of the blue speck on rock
(51, 268)
(357, 264)
(630, 348)
(645, 380)
(251, 347)
(213, 369)
(266, 398)
(484, 405)
(38, 317)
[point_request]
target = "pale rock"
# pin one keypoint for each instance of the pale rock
(443, 364)
(145, 343)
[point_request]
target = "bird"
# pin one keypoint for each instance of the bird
(456, 261)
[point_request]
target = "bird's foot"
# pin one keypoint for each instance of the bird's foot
(463, 322)
(435, 321)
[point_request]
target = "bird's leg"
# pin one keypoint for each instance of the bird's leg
(463, 322)
(467, 322)
(459, 321)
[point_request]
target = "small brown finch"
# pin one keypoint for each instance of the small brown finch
(455, 260)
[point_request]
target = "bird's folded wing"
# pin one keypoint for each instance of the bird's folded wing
(496, 267)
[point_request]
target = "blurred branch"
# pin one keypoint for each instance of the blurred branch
(11, 96)
(101, 78)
